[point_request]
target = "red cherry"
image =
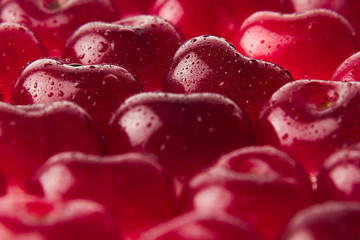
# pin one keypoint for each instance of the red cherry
(31, 134)
(18, 47)
(265, 202)
(328, 221)
(210, 64)
(28, 217)
(134, 188)
(349, 9)
(99, 89)
(310, 119)
(187, 132)
(199, 225)
(349, 70)
(53, 21)
(309, 45)
(199, 17)
(339, 178)
(142, 44)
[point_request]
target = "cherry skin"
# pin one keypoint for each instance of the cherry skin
(199, 225)
(309, 45)
(136, 190)
(28, 217)
(99, 89)
(187, 132)
(310, 119)
(141, 44)
(15, 41)
(31, 134)
(265, 202)
(349, 70)
(328, 221)
(338, 179)
(199, 17)
(210, 64)
(348, 9)
(53, 21)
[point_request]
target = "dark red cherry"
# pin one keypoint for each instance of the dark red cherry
(18, 46)
(142, 44)
(310, 44)
(31, 134)
(53, 21)
(210, 64)
(99, 89)
(310, 119)
(187, 132)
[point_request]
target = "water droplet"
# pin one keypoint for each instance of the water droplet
(102, 47)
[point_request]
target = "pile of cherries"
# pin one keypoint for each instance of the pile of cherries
(180, 120)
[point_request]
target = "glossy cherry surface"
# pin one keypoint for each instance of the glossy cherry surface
(27, 217)
(133, 187)
(328, 221)
(53, 21)
(309, 45)
(142, 44)
(339, 178)
(31, 134)
(310, 119)
(349, 70)
(210, 64)
(99, 89)
(205, 226)
(186, 132)
(15, 41)
(266, 202)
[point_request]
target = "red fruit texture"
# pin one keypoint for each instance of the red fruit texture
(15, 41)
(28, 217)
(141, 44)
(349, 8)
(31, 134)
(349, 70)
(310, 44)
(328, 221)
(219, 18)
(130, 8)
(310, 119)
(338, 179)
(210, 64)
(254, 189)
(198, 225)
(99, 89)
(187, 132)
(135, 189)
(53, 21)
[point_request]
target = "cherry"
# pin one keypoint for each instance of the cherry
(348, 9)
(15, 41)
(99, 89)
(142, 44)
(187, 132)
(199, 17)
(349, 70)
(199, 225)
(29, 217)
(31, 134)
(309, 45)
(135, 189)
(338, 179)
(266, 203)
(210, 64)
(328, 221)
(53, 21)
(310, 119)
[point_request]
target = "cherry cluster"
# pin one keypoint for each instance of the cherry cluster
(179, 119)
